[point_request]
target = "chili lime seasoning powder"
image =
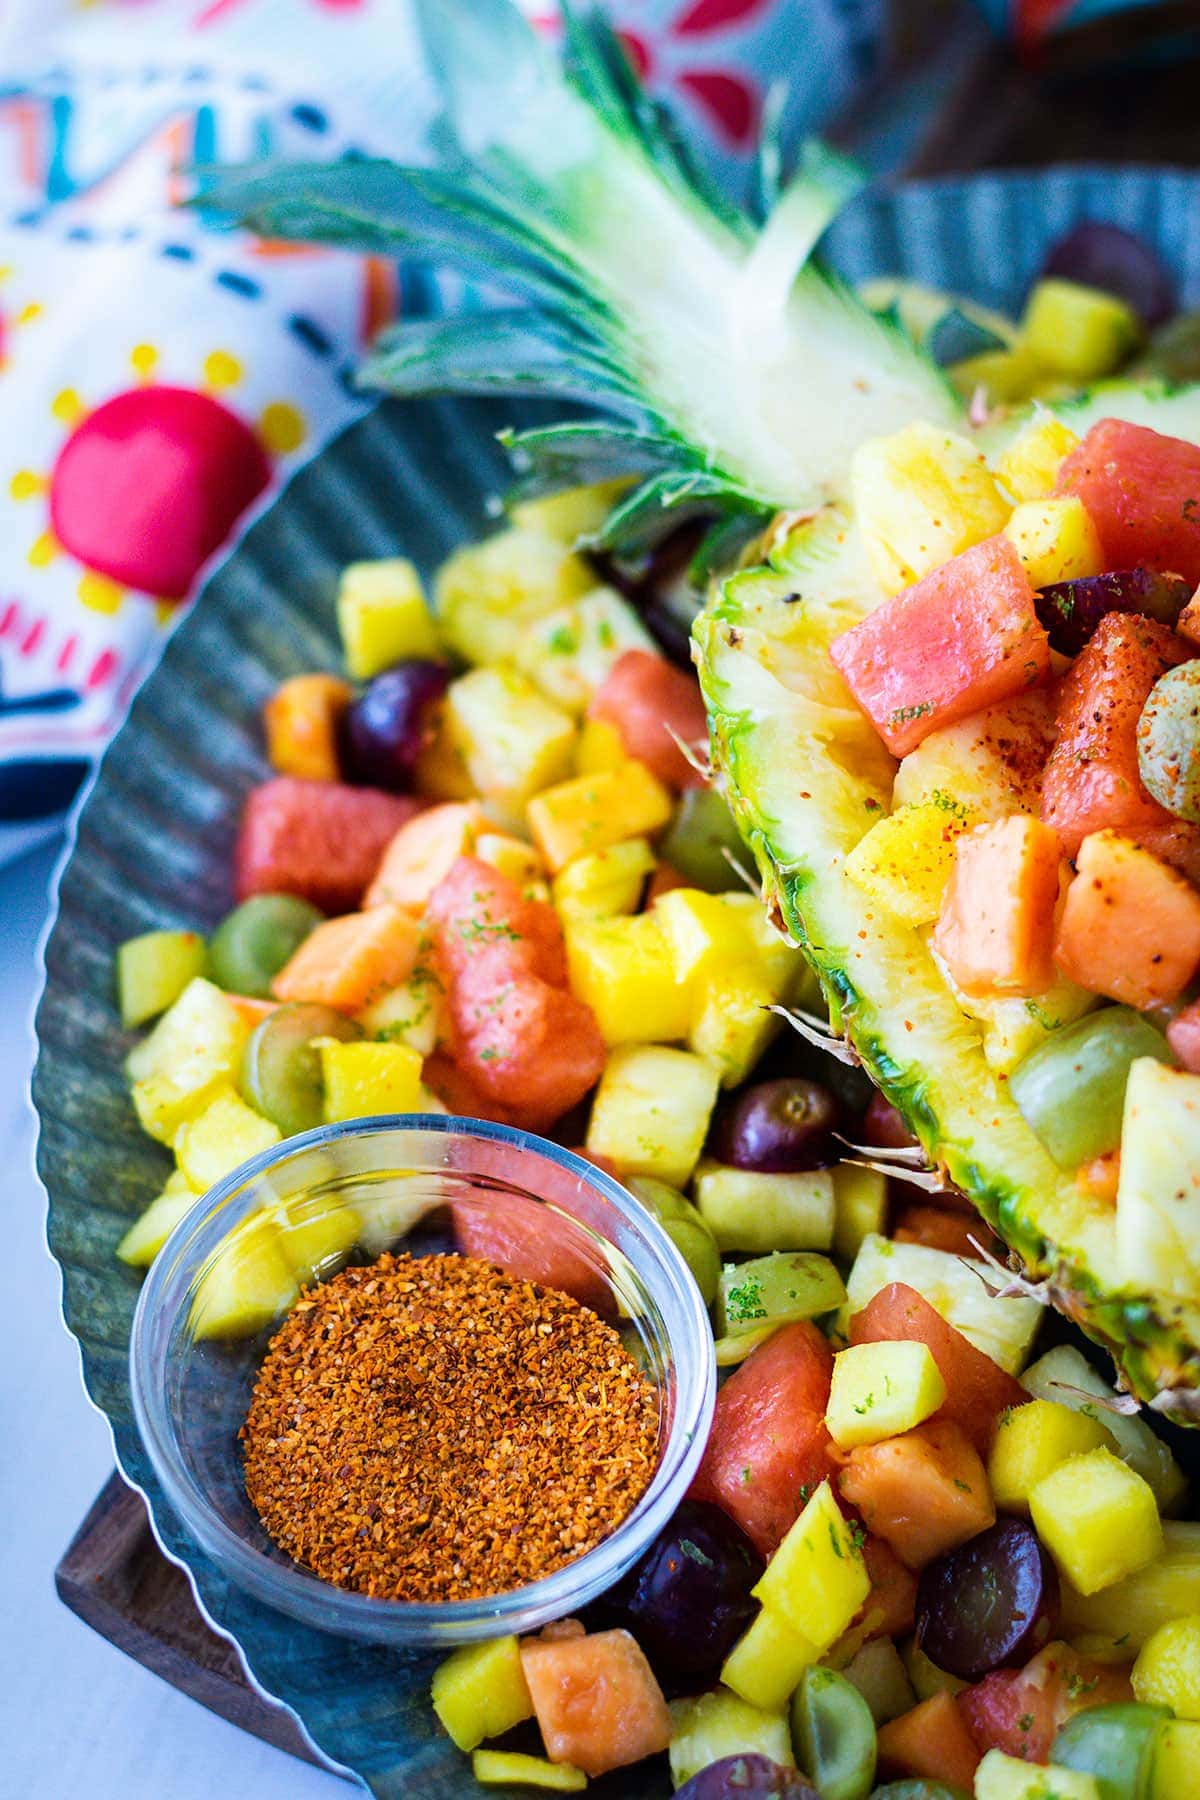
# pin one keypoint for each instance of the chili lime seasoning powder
(432, 1429)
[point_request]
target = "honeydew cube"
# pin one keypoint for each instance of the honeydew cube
(154, 969)
(571, 514)
(1158, 1190)
(570, 653)
(600, 746)
(226, 1134)
(413, 1013)
(817, 1578)
(878, 1673)
(151, 1229)
(363, 1078)
(1001, 1777)
(766, 1663)
(1097, 1518)
(487, 595)
(201, 1036)
(383, 616)
(590, 812)
(513, 741)
(1031, 1441)
(247, 1284)
(511, 1768)
(1176, 1760)
(1066, 1376)
(605, 884)
(622, 969)
(751, 1211)
(1131, 1611)
(712, 1726)
(732, 1021)
(652, 1110)
(1167, 1670)
(1055, 540)
(860, 1207)
(480, 1691)
(880, 1390)
(905, 861)
(1079, 332)
(954, 1286)
(922, 496)
(1029, 467)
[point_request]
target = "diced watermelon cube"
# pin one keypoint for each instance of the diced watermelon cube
(960, 639)
(319, 839)
(484, 928)
(1183, 1035)
(655, 707)
(1142, 490)
(1019, 1711)
(531, 1047)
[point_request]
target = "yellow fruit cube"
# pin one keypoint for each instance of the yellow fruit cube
(511, 1768)
(718, 1724)
(1167, 1670)
(817, 1578)
(707, 932)
(1001, 1777)
(860, 1207)
(413, 1013)
(513, 857)
(570, 653)
(605, 884)
(652, 1111)
(364, 1078)
(154, 969)
(904, 861)
(926, 1678)
(247, 1285)
(600, 746)
(480, 1691)
(590, 812)
(1033, 1440)
(314, 1234)
(766, 1663)
(226, 1134)
(487, 595)
(164, 1106)
(1098, 1519)
(441, 772)
(747, 1210)
(622, 968)
(1029, 467)
(1176, 1771)
(1004, 375)
(383, 616)
(880, 1390)
(151, 1229)
(922, 496)
(201, 1036)
(1133, 1609)
(574, 513)
(1055, 540)
(513, 742)
(732, 1022)
(1079, 332)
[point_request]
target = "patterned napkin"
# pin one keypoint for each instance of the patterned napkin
(160, 376)
(1032, 21)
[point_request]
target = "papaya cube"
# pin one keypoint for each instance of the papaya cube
(199, 1037)
(1130, 926)
(365, 1078)
(1167, 1670)
(1001, 1777)
(1029, 467)
(1079, 332)
(301, 722)
(423, 852)
(880, 1390)
(925, 1492)
(748, 1210)
(1031, 1441)
(605, 883)
(571, 652)
(652, 1110)
(513, 741)
(383, 617)
(572, 513)
(511, 1768)
(1097, 1518)
(622, 969)
(922, 496)
(817, 1579)
(589, 812)
(347, 962)
(766, 1663)
(599, 746)
(151, 1229)
(1176, 1759)
(1055, 540)
(217, 1140)
(930, 1742)
(153, 970)
(860, 1208)
(246, 1285)
(995, 930)
(487, 595)
(480, 1691)
(596, 1701)
(712, 1726)
(905, 861)
(732, 1021)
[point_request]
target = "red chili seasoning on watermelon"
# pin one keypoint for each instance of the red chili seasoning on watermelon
(433, 1429)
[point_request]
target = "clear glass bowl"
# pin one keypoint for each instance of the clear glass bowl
(353, 1191)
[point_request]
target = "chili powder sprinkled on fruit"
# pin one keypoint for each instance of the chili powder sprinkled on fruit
(433, 1429)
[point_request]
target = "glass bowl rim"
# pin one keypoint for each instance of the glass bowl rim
(309, 1598)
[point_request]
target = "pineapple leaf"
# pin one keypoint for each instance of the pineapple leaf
(550, 457)
(518, 351)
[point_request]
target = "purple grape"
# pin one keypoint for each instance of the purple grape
(687, 1601)
(387, 727)
(991, 1604)
(1071, 610)
(776, 1127)
(749, 1777)
(1104, 256)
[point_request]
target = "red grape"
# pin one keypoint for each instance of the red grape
(991, 1604)
(387, 727)
(749, 1777)
(778, 1126)
(1071, 610)
(1104, 256)
(687, 1601)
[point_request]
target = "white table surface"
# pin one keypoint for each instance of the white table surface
(78, 1721)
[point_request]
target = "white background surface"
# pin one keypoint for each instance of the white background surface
(78, 1721)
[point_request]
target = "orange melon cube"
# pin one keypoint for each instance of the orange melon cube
(995, 931)
(924, 1492)
(596, 1700)
(1130, 926)
(301, 722)
(345, 962)
(423, 852)
(931, 1742)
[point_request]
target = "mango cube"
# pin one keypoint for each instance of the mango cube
(513, 741)
(1079, 332)
(922, 496)
(600, 746)
(1031, 1441)
(1055, 540)
(151, 1229)
(1098, 1519)
(571, 651)
(487, 595)
(589, 812)
(1176, 1760)
(1167, 1670)
(606, 883)
(715, 1725)
(860, 1207)
(510, 1768)
(247, 1284)
(1029, 467)
(732, 1021)
(226, 1134)
(817, 1578)
(365, 1078)
(708, 932)
(1001, 1777)
(880, 1390)
(383, 617)
(153, 970)
(756, 1212)
(652, 1111)
(623, 970)
(571, 514)
(905, 861)
(480, 1691)
(766, 1663)
(301, 722)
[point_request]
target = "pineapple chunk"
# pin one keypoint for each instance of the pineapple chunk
(990, 763)
(383, 617)
(1001, 1777)
(1055, 540)
(1029, 467)
(1167, 1670)
(954, 1286)
(513, 742)
(570, 653)
(571, 514)
(1006, 376)
(365, 1078)
(488, 595)
(746, 1210)
(154, 969)
(623, 970)
(766, 1663)
(707, 932)
(817, 1578)
(905, 861)
(652, 1110)
(480, 1691)
(1014, 1027)
(314, 1234)
(1130, 1612)
(1158, 1192)
(732, 1021)
(164, 1106)
(604, 884)
(151, 1229)
(414, 1013)
(1098, 1520)
(513, 857)
(512, 1768)
(1066, 1376)
(1176, 1760)
(246, 1286)
(1079, 332)
(226, 1134)
(590, 812)
(860, 1207)
(719, 1724)
(922, 496)
(880, 1390)
(1033, 1440)
(600, 746)
(200, 1037)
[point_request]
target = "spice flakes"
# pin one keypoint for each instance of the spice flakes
(433, 1429)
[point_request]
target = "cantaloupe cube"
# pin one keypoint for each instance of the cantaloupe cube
(766, 1663)
(151, 1229)
(153, 970)
(1033, 1440)
(1056, 540)
(365, 1078)
(217, 1140)
(995, 929)
(732, 1021)
(570, 653)
(860, 1207)
(513, 741)
(301, 722)
(622, 969)
(423, 852)
(652, 1111)
(247, 1284)
(817, 1579)
(925, 1492)
(1098, 1519)
(383, 617)
(348, 962)
(571, 514)
(922, 496)
(511, 1768)
(480, 1691)
(1167, 1670)
(904, 861)
(487, 595)
(1130, 926)
(880, 1390)
(605, 884)
(599, 746)
(596, 1700)
(747, 1210)
(1078, 332)
(589, 812)
(718, 1724)
(1001, 1777)
(1029, 467)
